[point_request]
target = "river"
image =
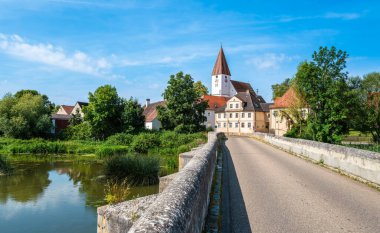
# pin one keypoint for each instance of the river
(55, 196)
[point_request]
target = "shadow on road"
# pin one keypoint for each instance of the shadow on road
(234, 213)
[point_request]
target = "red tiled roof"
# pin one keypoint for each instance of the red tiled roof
(221, 66)
(150, 111)
(215, 102)
(68, 109)
(286, 100)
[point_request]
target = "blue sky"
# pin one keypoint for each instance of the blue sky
(67, 48)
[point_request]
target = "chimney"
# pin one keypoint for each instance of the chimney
(147, 102)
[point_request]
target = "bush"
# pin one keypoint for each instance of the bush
(79, 132)
(138, 170)
(145, 141)
(106, 151)
(121, 139)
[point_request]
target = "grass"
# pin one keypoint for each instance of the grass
(138, 170)
(116, 191)
(166, 145)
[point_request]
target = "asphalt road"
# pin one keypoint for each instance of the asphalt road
(268, 190)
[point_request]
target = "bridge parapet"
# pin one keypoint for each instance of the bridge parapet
(180, 207)
(361, 164)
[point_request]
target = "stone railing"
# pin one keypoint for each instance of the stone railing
(362, 164)
(181, 205)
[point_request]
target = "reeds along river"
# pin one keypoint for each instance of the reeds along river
(55, 196)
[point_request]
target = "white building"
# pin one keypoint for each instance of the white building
(151, 113)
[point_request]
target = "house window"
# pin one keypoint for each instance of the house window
(249, 124)
(249, 115)
(236, 125)
(219, 115)
(242, 115)
(237, 105)
(208, 114)
(224, 115)
(224, 124)
(230, 125)
(236, 115)
(230, 115)
(242, 125)
(275, 113)
(218, 125)
(231, 105)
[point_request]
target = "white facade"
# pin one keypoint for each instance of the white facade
(153, 125)
(221, 85)
(77, 107)
(278, 123)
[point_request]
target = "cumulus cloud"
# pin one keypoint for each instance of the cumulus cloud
(269, 61)
(49, 54)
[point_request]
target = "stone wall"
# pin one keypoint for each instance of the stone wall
(361, 164)
(180, 207)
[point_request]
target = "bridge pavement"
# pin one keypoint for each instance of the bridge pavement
(268, 190)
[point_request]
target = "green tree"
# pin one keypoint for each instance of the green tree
(104, 112)
(279, 90)
(24, 116)
(133, 118)
(47, 102)
(184, 109)
(367, 116)
(324, 84)
(76, 119)
(200, 89)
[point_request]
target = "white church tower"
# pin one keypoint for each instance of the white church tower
(221, 76)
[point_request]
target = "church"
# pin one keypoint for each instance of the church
(234, 107)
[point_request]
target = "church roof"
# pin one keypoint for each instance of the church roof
(221, 66)
(242, 86)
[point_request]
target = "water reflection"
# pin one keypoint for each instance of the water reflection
(54, 197)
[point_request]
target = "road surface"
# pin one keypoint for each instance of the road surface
(268, 190)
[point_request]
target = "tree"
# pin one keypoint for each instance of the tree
(200, 89)
(184, 109)
(24, 116)
(104, 112)
(76, 119)
(280, 89)
(367, 117)
(133, 118)
(47, 102)
(323, 82)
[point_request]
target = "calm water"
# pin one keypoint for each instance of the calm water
(44, 197)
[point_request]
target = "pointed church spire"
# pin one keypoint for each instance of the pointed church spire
(221, 66)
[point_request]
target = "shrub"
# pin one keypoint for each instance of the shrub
(138, 170)
(116, 191)
(79, 132)
(121, 139)
(145, 141)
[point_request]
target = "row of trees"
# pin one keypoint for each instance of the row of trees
(336, 101)
(26, 114)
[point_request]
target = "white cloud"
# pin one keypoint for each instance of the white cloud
(329, 15)
(344, 16)
(49, 54)
(269, 61)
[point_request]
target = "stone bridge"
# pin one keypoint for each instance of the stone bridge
(270, 184)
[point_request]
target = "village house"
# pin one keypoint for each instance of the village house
(151, 113)
(61, 119)
(214, 102)
(280, 120)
